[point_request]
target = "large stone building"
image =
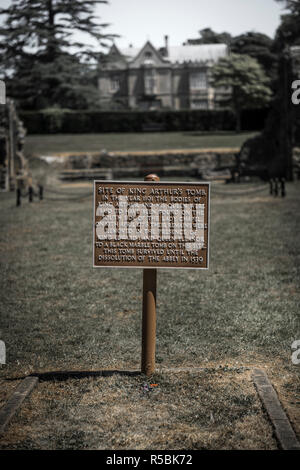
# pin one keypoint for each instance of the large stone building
(166, 78)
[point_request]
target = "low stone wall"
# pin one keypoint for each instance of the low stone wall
(166, 163)
(215, 163)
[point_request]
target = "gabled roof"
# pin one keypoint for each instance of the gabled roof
(113, 59)
(130, 52)
(137, 56)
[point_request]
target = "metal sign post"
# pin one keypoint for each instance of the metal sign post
(149, 313)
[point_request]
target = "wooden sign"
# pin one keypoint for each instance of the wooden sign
(151, 224)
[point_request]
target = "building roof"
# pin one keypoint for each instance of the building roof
(130, 52)
(180, 54)
(197, 53)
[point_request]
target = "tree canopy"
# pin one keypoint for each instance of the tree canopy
(41, 63)
(288, 32)
(208, 36)
(251, 43)
(258, 46)
(246, 80)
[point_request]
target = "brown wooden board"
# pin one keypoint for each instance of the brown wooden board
(151, 224)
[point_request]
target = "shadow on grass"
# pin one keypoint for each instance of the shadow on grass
(77, 374)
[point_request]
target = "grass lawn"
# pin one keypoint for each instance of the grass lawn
(59, 313)
(49, 144)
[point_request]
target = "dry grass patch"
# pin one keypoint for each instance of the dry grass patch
(212, 409)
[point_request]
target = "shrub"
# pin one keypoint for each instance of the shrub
(51, 121)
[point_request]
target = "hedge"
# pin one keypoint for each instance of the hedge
(72, 122)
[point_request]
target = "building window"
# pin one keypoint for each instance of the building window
(150, 81)
(198, 80)
(199, 104)
(114, 84)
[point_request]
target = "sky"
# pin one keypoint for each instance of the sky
(140, 20)
(137, 21)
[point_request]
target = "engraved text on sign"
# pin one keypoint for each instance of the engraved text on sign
(151, 225)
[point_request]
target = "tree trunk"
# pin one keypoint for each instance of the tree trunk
(51, 46)
(238, 120)
(237, 109)
(287, 121)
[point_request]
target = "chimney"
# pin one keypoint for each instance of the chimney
(167, 45)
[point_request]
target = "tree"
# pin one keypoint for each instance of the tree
(208, 36)
(292, 5)
(273, 147)
(41, 63)
(246, 80)
(288, 32)
(258, 46)
(285, 116)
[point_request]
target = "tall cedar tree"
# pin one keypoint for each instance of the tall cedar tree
(247, 81)
(38, 61)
